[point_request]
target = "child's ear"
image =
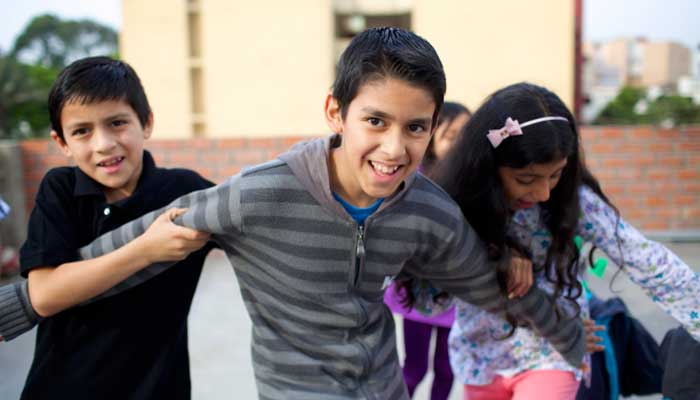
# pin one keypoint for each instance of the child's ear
(148, 128)
(334, 117)
(61, 144)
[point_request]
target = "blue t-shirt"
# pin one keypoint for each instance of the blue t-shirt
(357, 213)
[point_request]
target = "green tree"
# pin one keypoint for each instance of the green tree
(624, 109)
(54, 43)
(621, 109)
(46, 46)
(23, 93)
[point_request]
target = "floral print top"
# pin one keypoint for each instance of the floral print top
(475, 355)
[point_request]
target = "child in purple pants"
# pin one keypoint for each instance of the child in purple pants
(417, 328)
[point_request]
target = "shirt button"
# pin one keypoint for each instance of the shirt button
(107, 211)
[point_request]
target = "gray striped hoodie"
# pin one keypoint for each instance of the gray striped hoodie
(313, 280)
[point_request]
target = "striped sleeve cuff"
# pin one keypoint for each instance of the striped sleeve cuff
(16, 313)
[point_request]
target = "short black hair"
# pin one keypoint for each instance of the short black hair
(97, 79)
(380, 53)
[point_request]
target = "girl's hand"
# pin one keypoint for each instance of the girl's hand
(165, 241)
(519, 275)
(593, 340)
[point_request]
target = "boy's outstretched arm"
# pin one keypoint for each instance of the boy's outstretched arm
(50, 290)
(54, 289)
(461, 268)
(214, 210)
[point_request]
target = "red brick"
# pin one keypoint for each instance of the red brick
(659, 173)
(660, 147)
(669, 161)
(199, 144)
(629, 173)
(656, 201)
(614, 162)
(640, 188)
(183, 159)
(693, 212)
(588, 130)
(35, 146)
(288, 142)
(668, 133)
(605, 175)
(692, 146)
(633, 213)
(685, 200)
(613, 189)
(692, 130)
(602, 148)
(612, 133)
(264, 143)
(691, 187)
(634, 148)
(229, 170)
(236, 143)
(643, 160)
(689, 173)
(627, 203)
(250, 157)
(667, 212)
(642, 132)
(655, 225)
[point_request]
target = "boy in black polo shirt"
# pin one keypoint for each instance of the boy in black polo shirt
(132, 345)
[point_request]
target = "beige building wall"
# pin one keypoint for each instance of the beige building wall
(665, 63)
(153, 40)
(239, 68)
(268, 66)
(485, 45)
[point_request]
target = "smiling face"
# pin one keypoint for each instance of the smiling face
(105, 139)
(385, 133)
(527, 186)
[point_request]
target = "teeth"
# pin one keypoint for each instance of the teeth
(111, 162)
(384, 169)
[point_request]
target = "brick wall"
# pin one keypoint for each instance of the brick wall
(652, 175)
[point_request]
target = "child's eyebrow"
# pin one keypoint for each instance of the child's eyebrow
(115, 116)
(376, 113)
(381, 114)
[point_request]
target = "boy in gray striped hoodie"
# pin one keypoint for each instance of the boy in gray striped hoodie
(317, 235)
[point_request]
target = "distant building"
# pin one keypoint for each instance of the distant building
(239, 68)
(637, 62)
(640, 62)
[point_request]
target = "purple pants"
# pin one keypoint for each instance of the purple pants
(417, 341)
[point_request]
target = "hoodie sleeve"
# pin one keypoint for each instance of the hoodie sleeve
(215, 210)
(461, 267)
(16, 313)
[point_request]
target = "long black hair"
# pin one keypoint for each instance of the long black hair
(470, 175)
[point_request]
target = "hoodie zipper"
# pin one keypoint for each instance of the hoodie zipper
(359, 253)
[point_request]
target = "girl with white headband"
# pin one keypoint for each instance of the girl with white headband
(520, 179)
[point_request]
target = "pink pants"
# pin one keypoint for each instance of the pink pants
(539, 385)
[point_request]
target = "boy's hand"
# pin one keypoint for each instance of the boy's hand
(519, 275)
(593, 340)
(165, 241)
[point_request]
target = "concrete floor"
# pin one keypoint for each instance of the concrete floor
(220, 333)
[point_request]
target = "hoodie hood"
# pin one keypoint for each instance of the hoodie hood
(309, 160)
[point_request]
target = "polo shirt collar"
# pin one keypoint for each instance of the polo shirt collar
(86, 186)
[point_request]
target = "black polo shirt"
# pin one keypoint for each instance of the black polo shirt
(129, 346)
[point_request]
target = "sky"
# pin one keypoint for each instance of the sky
(603, 19)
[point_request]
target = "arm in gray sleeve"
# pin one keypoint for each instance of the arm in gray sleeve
(462, 269)
(16, 313)
(215, 210)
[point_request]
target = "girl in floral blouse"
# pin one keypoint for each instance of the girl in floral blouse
(520, 179)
